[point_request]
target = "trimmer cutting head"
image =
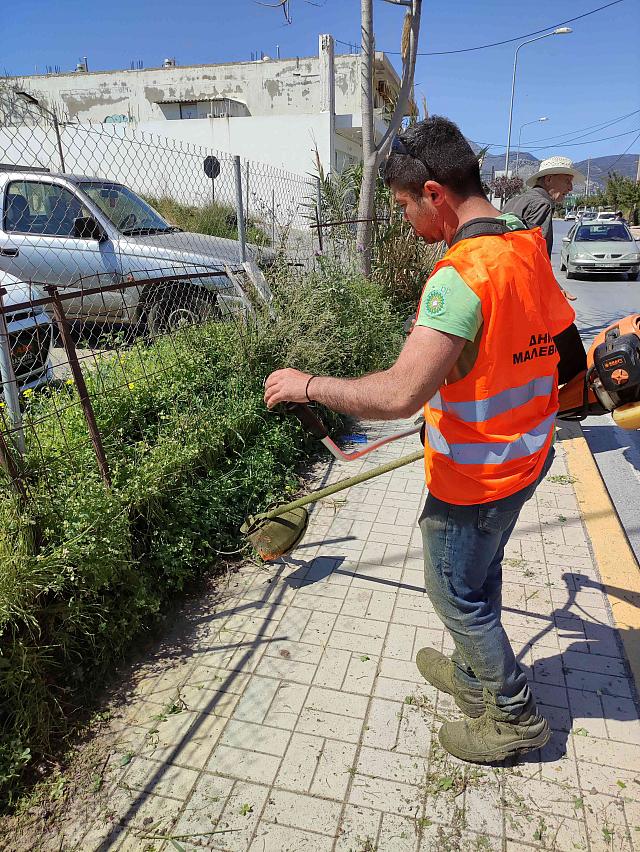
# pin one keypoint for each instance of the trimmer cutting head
(278, 536)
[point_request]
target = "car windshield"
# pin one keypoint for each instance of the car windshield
(604, 232)
(126, 210)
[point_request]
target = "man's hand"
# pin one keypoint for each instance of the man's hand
(568, 296)
(286, 386)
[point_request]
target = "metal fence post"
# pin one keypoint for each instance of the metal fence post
(78, 377)
(9, 383)
(239, 209)
(273, 217)
(319, 214)
(246, 189)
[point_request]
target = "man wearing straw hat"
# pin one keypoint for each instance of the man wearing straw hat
(548, 186)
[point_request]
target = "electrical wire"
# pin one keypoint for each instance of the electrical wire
(505, 41)
(593, 127)
(564, 145)
(633, 142)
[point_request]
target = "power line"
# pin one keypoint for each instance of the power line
(564, 145)
(633, 142)
(506, 41)
(592, 127)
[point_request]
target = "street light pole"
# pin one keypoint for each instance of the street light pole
(526, 124)
(559, 31)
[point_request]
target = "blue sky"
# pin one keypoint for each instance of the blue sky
(580, 80)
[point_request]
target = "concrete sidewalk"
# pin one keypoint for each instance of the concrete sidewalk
(292, 716)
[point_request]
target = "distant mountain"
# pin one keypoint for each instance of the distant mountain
(622, 164)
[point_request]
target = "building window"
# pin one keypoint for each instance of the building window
(189, 110)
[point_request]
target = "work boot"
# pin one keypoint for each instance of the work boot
(440, 672)
(496, 735)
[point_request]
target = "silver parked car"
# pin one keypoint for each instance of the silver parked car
(30, 333)
(81, 233)
(599, 247)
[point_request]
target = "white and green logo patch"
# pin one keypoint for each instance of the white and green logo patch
(435, 303)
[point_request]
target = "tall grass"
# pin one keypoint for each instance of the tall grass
(215, 219)
(401, 262)
(191, 453)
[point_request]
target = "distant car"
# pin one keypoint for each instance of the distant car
(30, 333)
(81, 233)
(570, 215)
(600, 247)
(606, 216)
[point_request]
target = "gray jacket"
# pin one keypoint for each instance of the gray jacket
(535, 209)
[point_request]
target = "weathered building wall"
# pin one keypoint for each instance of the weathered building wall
(271, 87)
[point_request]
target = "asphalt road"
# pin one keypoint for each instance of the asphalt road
(600, 301)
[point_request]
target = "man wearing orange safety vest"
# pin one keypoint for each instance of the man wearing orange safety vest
(483, 360)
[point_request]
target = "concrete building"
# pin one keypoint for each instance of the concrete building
(277, 111)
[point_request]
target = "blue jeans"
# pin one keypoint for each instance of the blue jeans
(463, 551)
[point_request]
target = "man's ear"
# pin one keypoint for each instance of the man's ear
(434, 191)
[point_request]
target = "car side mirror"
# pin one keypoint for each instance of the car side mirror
(87, 228)
(565, 239)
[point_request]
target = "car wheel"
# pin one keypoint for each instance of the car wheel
(632, 276)
(570, 275)
(180, 308)
(562, 266)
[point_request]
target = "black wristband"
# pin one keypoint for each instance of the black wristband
(306, 390)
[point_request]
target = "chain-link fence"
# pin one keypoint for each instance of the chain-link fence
(115, 245)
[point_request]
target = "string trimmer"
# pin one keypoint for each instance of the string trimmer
(280, 530)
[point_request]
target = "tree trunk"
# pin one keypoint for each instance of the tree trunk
(367, 190)
(373, 154)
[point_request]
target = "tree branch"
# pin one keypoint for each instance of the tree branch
(407, 78)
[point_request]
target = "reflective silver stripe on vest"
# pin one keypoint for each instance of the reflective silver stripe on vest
(493, 453)
(477, 411)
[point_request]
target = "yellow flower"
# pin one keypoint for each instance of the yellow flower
(131, 385)
(28, 392)
(69, 382)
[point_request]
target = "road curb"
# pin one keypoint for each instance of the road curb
(616, 561)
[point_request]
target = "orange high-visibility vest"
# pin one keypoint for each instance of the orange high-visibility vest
(488, 433)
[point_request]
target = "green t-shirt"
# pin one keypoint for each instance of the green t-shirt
(450, 305)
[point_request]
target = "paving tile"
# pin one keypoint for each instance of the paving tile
(391, 796)
(246, 735)
(239, 817)
(359, 829)
(286, 705)
(280, 838)
(300, 761)
(158, 778)
(398, 833)
(257, 697)
(334, 770)
(606, 825)
(330, 724)
(483, 811)
(243, 764)
(205, 805)
(304, 812)
(379, 763)
(618, 755)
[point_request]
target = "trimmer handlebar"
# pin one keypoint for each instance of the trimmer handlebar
(308, 419)
(317, 428)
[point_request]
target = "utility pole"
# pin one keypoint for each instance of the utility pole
(638, 170)
(586, 190)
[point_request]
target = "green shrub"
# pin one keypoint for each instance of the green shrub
(85, 571)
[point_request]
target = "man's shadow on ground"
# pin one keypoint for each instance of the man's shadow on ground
(601, 642)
